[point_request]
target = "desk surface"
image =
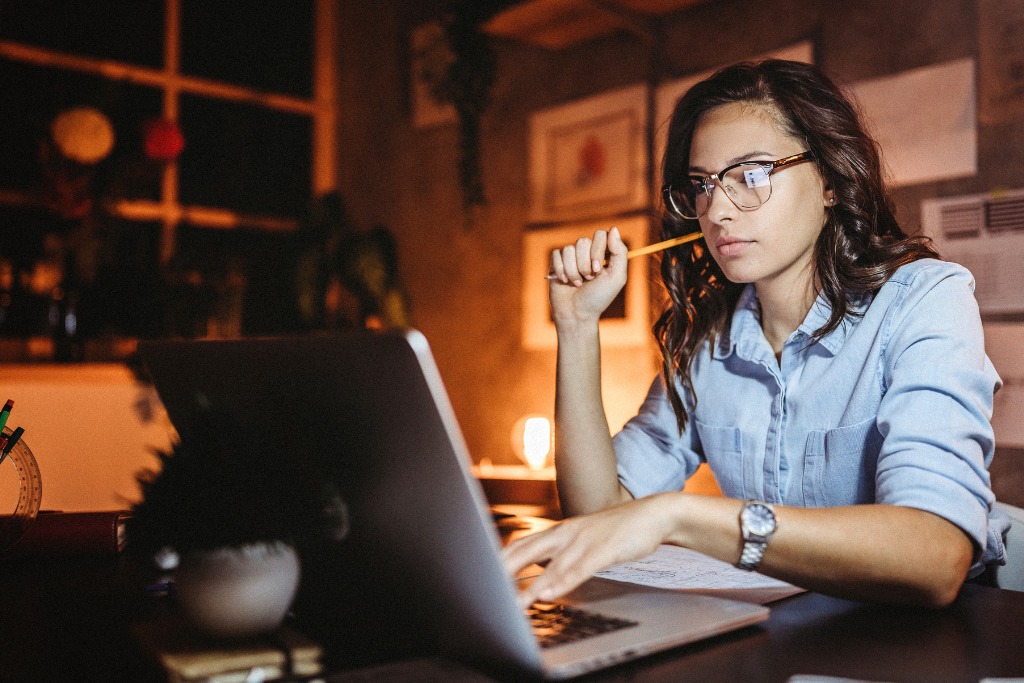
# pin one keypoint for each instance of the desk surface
(67, 619)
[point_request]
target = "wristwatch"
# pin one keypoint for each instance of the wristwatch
(757, 524)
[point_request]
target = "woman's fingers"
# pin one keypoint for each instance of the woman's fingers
(583, 260)
(617, 250)
(598, 249)
(556, 550)
(575, 549)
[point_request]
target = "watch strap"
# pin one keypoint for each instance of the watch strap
(751, 556)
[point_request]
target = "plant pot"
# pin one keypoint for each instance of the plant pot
(237, 592)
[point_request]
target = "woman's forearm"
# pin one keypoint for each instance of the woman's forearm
(883, 553)
(584, 457)
(880, 553)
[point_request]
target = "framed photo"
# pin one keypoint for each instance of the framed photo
(430, 56)
(1000, 60)
(625, 323)
(589, 158)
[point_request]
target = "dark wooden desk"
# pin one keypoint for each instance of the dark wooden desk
(67, 620)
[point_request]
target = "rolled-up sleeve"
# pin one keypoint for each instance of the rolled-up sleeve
(935, 414)
(652, 455)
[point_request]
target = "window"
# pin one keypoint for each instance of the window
(124, 228)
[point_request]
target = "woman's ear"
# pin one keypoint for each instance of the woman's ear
(830, 198)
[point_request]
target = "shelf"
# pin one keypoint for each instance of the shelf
(40, 349)
(558, 24)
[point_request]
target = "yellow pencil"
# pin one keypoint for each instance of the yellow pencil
(667, 244)
(657, 246)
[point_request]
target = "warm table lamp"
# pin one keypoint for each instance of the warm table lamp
(531, 485)
(531, 441)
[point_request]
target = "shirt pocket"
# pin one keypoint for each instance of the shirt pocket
(723, 449)
(840, 465)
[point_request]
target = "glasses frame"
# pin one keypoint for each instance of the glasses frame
(716, 178)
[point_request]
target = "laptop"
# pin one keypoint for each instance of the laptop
(419, 571)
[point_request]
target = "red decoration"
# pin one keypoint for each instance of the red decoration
(592, 161)
(162, 140)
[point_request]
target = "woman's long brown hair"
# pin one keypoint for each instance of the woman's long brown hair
(861, 245)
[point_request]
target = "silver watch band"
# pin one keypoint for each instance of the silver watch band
(751, 556)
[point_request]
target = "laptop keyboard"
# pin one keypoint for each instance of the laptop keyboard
(557, 624)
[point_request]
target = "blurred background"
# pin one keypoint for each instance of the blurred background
(186, 168)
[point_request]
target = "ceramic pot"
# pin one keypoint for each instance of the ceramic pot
(237, 592)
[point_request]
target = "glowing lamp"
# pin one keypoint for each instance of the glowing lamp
(83, 134)
(532, 440)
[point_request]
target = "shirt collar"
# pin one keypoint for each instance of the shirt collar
(745, 326)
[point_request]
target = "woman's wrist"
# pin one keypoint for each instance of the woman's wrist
(570, 328)
(708, 524)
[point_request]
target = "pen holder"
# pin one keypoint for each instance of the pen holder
(21, 492)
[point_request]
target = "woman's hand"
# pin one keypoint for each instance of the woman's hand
(583, 286)
(573, 550)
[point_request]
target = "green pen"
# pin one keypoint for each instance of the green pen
(9, 442)
(13, 440)
(5, 413)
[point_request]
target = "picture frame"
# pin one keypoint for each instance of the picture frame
(1000, 55)
(589, 158)
(627, 321)
(430, 56)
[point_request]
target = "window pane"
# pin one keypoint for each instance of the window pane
(127, 296)
(231, 282)
(110, 267)
(32, 96)
(245, 158)
(264, 44)
(123, 30)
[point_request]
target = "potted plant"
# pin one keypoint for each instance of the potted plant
(227, 517)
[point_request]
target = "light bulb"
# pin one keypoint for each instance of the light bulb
(531, 440)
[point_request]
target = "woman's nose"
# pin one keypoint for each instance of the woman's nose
(721, 207)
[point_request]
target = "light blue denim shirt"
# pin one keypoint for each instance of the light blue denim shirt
(893, 406)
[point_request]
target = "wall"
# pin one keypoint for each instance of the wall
(463, 273)
(92, 429)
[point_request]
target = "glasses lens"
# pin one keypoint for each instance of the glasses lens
(688, 198)
(748, 185)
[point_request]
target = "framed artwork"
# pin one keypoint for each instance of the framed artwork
(430, 57)
(589, 158)
(625, 323)
(1001, 60)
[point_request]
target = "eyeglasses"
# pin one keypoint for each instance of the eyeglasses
(747, 184)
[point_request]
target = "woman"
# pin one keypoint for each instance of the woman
(829, 368)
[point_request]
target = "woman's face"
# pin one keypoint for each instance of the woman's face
(774, 244)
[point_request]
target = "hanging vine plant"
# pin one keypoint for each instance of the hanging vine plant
(468, 84)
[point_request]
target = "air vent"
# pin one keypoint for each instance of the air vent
(983, 232)
(959, 221)
(1005, 214)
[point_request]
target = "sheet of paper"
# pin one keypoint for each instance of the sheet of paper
(675, 568)
(924, 121)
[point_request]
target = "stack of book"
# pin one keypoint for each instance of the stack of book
(188, 657)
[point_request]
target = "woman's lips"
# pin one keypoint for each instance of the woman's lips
(730, 246)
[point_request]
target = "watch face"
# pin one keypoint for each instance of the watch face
(759, 519)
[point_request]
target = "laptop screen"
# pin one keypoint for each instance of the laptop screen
(419, 569)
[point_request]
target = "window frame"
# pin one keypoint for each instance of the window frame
(169, 211)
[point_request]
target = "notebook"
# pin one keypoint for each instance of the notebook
(420, 568)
